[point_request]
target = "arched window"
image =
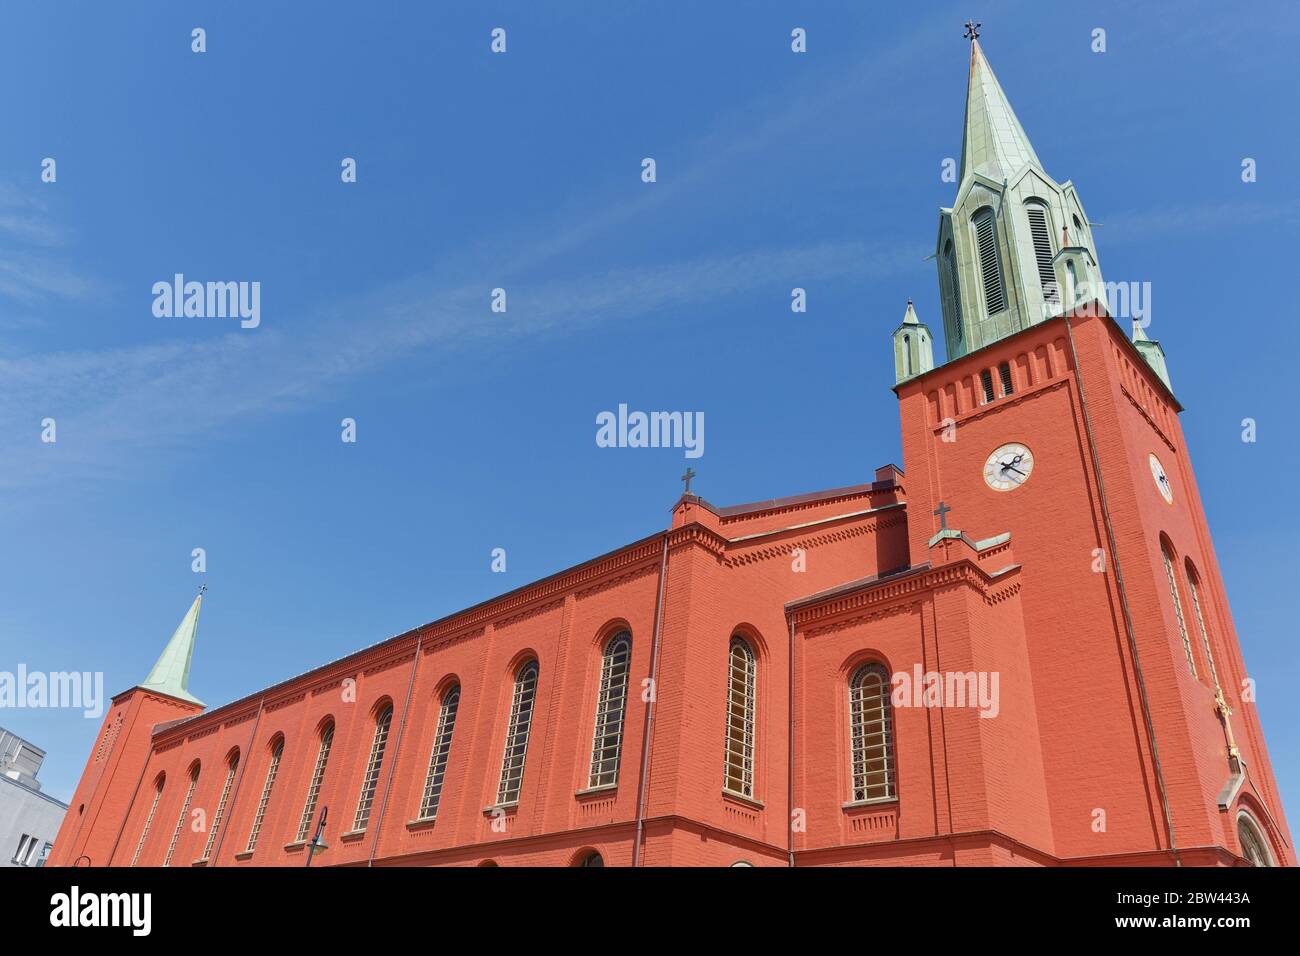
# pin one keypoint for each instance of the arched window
(951, 258)
(1253, 845)
(521, 720)
(592, 859)
(1178, 607)
(1004, 373)
(990, 261)
(441, 750)
(871, 734)
(185, 810)
(611, 704)
(277, 751)
(369, 783)
(148, 821)
(742, 673)
(1040, 231)
(317, 777)
(1193, 587)
(907, 354)
(232, 764)
(1073, 291)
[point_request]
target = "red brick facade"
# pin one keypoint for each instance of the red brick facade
(1064, 773)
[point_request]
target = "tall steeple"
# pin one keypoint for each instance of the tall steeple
(993, 143)
(171, 675)
(998, 249)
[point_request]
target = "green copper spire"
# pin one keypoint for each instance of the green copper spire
(171, 675)
(1003, 261)
(994, 143)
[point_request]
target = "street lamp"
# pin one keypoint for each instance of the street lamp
(318, 844)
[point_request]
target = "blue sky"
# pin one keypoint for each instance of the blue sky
(522, 171)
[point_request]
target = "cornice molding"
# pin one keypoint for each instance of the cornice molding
(875, 597)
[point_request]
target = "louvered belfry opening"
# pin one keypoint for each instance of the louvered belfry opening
(986, 241)
(951, 256)
(1042, 237)
(986, 385)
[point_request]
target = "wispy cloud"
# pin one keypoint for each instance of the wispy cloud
(1197, 218)
(31, 266)
(115, 406)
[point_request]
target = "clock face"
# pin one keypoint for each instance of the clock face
(1162, 480)
(1008, 467)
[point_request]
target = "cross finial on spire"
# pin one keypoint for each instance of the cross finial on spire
(202, 588)
(972, 30)
(690, 473)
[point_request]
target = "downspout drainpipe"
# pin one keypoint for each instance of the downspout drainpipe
(144, 768)
(789, 801)
(648, 727)
(397, 750)
(1123, 600)
(234, 796)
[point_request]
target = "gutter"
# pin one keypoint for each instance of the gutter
(648, 726)
(397, 750)
(789, 801)
(234, 795)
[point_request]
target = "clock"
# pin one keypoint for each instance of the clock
(1161, 480)
(1008, 467)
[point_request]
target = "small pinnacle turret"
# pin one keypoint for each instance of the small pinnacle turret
(1152, 352)
(913, 347)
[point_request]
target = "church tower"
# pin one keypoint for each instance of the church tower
(1016, 247)
(91, 834)
(1049, 425)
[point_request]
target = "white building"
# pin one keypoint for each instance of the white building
(29, 819)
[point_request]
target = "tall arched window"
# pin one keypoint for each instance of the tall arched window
(1192, 586)
(148, 821)
(317, 778)
(611, 705)
(742, 676)
(871, 739)
(521, 721)
(990, 261)
(1253, 845)
(907, 355)
(277, 751)
(1040, 232)
(441, 750)
(370, 782)
(950, 256)
(185, 810)
(1178, 607)
(232, 764)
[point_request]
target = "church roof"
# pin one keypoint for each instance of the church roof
(994, 143)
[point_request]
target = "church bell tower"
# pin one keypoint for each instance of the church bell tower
(999, 248)
(1053, 428)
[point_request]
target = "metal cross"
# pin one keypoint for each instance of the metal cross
(942, 512)
(690, 473)
(972, 30)
(202, 588)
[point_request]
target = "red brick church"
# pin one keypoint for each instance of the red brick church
(1019, 651)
